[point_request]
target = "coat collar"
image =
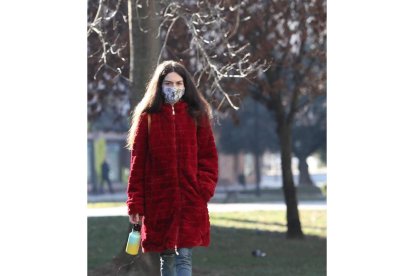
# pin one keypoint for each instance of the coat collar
(179, 106)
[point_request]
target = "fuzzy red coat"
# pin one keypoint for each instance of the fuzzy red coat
(173, 175)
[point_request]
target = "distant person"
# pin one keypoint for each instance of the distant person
(242, 180)
(105, 177)
(174, 168)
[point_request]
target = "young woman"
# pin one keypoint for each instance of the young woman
(174, 168)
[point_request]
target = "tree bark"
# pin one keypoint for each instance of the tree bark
(304, 176)
(292, 215)
(144, 47)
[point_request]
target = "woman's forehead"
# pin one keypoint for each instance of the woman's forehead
(173, 77)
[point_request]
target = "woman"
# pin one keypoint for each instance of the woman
(174, 168)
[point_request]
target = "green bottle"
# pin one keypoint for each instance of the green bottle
(134, 238)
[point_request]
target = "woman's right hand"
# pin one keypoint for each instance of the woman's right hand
(135, 219)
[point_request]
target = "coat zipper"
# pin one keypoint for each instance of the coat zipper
(175, 140)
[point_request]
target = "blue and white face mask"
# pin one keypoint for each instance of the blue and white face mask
(172, 94)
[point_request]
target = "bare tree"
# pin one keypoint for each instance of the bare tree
(200, 34)
(209, 27)
(293, 35)
(108, 83)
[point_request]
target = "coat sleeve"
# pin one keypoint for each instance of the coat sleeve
(135, 189)
(207, 173)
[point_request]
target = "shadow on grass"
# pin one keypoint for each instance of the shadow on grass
(304, 193)
(230, 252)
(254, 222)
(251, 221)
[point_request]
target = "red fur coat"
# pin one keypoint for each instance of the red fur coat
(173, 176)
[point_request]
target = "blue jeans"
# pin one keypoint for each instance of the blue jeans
(176, 265)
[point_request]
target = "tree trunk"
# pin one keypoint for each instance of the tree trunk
(236, 169)
(289, 190)
(144, 47)
(258, 173)
(304, 176)
(256, 151)
(144, 51)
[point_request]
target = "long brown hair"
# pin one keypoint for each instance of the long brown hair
(153, 98)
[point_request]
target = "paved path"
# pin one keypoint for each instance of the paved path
(217, 207)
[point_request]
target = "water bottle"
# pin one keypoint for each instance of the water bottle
(134, 237)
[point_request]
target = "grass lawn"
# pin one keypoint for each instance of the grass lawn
(270, 195)
(234, 236)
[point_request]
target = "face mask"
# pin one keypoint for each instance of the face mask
(172, 94)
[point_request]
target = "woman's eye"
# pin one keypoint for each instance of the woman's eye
(180, 84)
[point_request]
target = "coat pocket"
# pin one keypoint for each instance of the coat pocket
(200, 193)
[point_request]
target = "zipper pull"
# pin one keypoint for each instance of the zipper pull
(173, 110)
(176, 251)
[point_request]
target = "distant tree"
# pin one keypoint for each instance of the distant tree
(309, 136)
(292, 34)
(249, 130)
(321, 153)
